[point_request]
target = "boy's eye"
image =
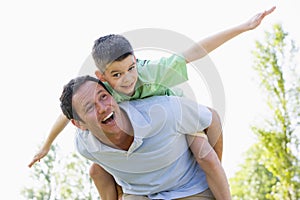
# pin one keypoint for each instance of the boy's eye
(116, 75)
(131, 68)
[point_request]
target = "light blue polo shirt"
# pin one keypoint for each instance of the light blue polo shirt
(159, 163)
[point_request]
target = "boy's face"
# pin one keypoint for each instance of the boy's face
(122, 75)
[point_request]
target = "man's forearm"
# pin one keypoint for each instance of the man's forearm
(216, 177)
(211, 165)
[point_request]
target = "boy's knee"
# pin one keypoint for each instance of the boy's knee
(215, 114)
(95, 170)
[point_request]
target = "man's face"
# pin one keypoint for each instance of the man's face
(98, 110)
(122, 75)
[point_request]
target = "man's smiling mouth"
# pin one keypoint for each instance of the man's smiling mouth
(108, 118)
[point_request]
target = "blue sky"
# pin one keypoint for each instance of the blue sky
(44, 44)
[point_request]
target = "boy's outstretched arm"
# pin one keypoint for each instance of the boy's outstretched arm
(57, 127)
(208, 44)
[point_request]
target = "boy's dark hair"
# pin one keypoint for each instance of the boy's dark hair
(110, 48)
(69, 90)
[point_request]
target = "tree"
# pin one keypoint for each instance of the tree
(271, 169)
(42, 174)
(61, 177)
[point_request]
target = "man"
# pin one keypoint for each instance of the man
(142, 143)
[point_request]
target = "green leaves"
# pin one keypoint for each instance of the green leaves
(60, 176)
(271, 169)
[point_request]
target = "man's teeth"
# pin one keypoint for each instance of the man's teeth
(107, 117)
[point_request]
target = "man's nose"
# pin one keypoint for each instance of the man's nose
(100, 107)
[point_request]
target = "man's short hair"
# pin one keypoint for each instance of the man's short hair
(69, 90)
(110, 48)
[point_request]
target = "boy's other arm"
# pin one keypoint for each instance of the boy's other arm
(57, 127)
(210, 43)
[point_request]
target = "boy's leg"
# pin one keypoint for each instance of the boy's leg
(215, 134)
(105, 183)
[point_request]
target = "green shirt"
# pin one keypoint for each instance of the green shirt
(155, 78)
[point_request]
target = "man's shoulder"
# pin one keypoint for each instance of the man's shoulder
(174, 103)
(153, 100)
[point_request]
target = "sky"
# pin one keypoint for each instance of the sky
(45, 43)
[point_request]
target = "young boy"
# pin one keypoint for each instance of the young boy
(130, 78)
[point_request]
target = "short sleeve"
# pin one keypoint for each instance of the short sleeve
(167, 71)
(191, 117)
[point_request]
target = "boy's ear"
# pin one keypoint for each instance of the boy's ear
(100, 76)
(79, 124)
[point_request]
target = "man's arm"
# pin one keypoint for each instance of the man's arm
(205, 46)
(209, 162)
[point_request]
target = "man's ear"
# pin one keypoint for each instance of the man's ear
(100, 76)
(79, 124)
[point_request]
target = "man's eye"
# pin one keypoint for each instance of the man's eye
(103, 96)
(89, 109)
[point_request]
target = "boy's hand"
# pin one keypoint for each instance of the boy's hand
(257, 19)
(42, 153)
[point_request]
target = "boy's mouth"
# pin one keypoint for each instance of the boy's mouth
(128, 86)
(108, 118)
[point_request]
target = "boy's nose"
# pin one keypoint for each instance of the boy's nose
(127, 78)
